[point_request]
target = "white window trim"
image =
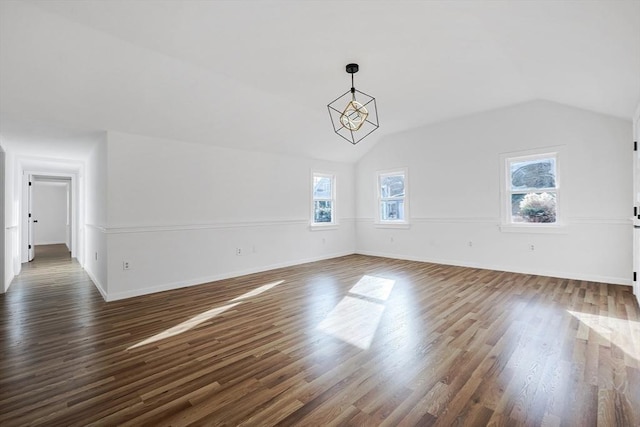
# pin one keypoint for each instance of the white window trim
(334, 218)
(379, 222)
(559, 152)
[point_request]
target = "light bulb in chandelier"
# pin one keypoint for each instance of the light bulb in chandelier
(354, 115)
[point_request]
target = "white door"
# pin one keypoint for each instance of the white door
(636, 261)
(636, 207)
(30, 228)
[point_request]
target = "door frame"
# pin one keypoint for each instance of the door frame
(31, 240)
(74, 241)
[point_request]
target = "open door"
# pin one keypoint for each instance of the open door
(30, 228)
(636, 206)
(636, 262)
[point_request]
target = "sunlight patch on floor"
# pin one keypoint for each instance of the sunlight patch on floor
(257, 291)
(622, 333)
(356, 317)
(186, 325)
(373, 287)
(207, 315)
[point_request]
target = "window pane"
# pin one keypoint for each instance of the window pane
(321, 187)
(392, 210)
(533, 207)
(322, 211)
(392, 186)
(539, 173)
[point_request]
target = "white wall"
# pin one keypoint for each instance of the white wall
(12, 218)
(177, 212)
(3, 228)
(50, 210)
(95, 217)
(455, 195)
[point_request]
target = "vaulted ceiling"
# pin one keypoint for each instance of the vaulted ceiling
(258, 74)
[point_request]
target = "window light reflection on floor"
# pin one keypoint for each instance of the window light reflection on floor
(619, 332)
(257, 291)
(207, 315)
(355, 318)
(373, 287)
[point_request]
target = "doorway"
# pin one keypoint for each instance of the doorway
(50, 212)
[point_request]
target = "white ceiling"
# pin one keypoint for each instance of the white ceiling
(38, 140)
(258, 74)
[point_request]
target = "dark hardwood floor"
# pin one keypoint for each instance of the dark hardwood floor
(357, 340)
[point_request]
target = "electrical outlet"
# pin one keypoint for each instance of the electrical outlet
(238, 251)
(470, 244)
(532, 248)
(126, 265)
(96, 256)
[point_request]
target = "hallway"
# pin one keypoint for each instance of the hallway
(51, 304)
(41, 278)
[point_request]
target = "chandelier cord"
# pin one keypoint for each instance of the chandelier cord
(353, 89)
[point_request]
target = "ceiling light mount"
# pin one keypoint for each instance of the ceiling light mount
(352, 68)
(358, 118)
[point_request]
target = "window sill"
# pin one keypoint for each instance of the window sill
(322, 227)
(398, 224)
(533, 228)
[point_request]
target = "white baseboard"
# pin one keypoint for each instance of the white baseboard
(8, 280)
(97, 284)
(202, 280)
(562, 275)
(207, 279)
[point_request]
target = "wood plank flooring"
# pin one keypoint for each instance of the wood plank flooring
(352, 341)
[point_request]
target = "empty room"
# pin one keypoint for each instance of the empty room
(319, 213)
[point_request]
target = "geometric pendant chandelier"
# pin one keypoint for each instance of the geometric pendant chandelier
(353, 117)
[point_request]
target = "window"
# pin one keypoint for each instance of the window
(392, 197)
(531, 189)
(324, 203)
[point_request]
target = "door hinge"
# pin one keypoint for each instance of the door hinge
(635, 211)
(635, 145)
(29, 183)
(30, 215)
(635, 276)
(29, 246)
